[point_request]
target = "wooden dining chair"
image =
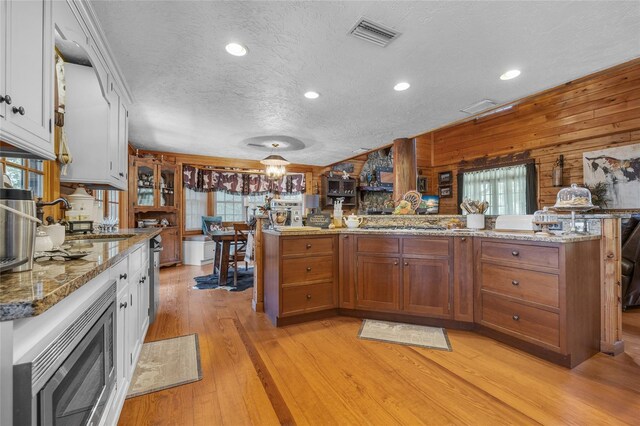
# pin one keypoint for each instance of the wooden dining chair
(240, 238)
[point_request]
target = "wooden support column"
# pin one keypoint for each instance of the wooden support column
(257, 302)
(404, 167)
(610, 278)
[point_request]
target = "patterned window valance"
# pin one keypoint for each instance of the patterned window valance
(206, 180)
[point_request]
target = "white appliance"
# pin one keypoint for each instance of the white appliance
(517, 223)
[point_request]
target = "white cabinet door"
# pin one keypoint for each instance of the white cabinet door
(123, 141)
(122, 343)
(114, 132)
(29, 76)
(143, 297)
(3, 54)
(132, 322)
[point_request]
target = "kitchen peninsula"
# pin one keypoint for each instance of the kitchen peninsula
(49, 313)
(528, 291)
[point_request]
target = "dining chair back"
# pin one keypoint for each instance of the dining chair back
(240, 238)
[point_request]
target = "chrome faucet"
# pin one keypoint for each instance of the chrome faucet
(40, 204)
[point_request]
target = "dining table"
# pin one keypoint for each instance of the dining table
(223, 241)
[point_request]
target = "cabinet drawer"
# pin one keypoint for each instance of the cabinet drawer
(135, 260)
(307, 246)
(120, 273)
(530, 323)
(521, 253)
(425, 246)
(307, 298)
(528, 285)
(305, 269)
(378, 245)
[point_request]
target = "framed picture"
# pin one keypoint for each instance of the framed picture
(422, 184)
(431, 203)
(613, 176)
(445, 191)
(445, 178)
(384, 176)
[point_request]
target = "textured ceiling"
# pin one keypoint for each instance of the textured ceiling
(193, 97)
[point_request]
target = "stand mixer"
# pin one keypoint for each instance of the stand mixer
(286, 212)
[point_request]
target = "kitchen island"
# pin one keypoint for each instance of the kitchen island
(49, 313)
(535, 293)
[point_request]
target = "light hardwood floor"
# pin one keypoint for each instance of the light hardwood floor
(321, 373)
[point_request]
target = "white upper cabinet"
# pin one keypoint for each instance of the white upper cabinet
(26, 80)
(95, 121)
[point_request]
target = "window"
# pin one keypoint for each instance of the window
(195, 204)
(109, 201)
(25, 174)
(508, 190)
(229, 206)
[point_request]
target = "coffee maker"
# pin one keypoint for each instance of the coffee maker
(286, 212)
(18, 227)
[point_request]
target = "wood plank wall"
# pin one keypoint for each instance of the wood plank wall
(598, 111)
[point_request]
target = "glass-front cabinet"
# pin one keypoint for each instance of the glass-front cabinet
(154, 185)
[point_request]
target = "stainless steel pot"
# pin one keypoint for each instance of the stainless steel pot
(19, 233)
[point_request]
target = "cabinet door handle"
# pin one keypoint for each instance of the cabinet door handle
(395, 263)
(308, 297)
(463, 239)
(123, 276)
(515, 282)
(308, 268)
(124, 305)
(308, 246)
(516, 317)
(6, 99)
(406, 263)
(345, 236)
(121, 174)
(18, 110)
(515, 253)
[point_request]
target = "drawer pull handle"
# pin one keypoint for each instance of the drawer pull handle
(124, 305)
(18, 110)
(406, 263)
(515, 253)
(345, 236)
(516, 317)
(515, 282)
(463, 239)
(395, 263)
(6, 99)
(610, 256)
(123, 276)
(308, 246)
(308, 268)
(308, 297)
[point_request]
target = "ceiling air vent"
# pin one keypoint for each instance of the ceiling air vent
(372, 32)
(478, 107)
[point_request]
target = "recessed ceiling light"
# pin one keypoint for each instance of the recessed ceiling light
(236, 49)
(312, 95)
(510, 74)
(401, 86)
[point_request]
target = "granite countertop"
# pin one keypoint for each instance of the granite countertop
(30, 293)
(442, 233)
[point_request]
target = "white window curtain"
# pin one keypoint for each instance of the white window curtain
(505, 189)
(195, 208)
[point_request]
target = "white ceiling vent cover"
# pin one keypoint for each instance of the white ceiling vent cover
(373, 32)
(478, 107)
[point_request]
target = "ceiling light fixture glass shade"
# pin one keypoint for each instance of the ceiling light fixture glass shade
(275, 164)
(312, 95)
(236, 49)
(510, 74)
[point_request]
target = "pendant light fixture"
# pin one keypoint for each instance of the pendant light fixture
(274, 164)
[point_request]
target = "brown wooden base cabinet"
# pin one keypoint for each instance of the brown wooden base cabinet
(541, 297)
(171, 242)
(300, 277)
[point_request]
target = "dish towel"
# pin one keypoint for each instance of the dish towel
(64, 155)
(249, 254)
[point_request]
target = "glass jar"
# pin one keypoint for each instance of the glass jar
(573, 197)
(545, 216)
